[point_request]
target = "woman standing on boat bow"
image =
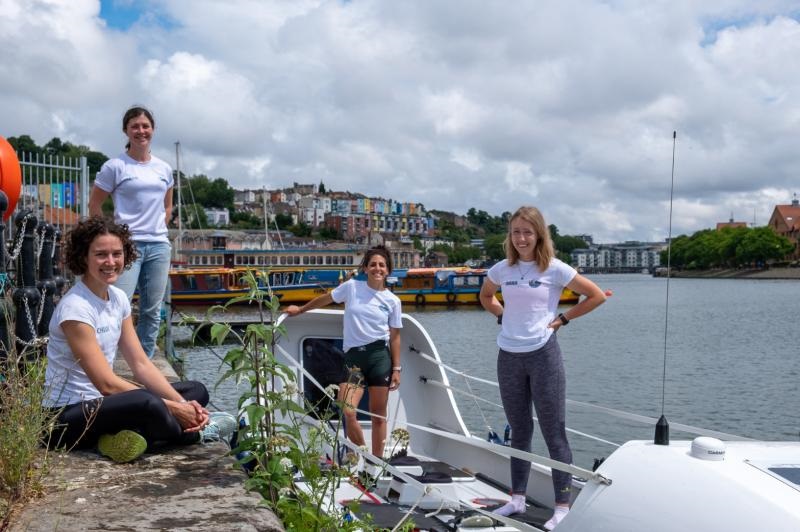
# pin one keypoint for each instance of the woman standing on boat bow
(372, 323)
(141, 187)
(530, 369)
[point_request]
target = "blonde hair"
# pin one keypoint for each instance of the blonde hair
(543, 252)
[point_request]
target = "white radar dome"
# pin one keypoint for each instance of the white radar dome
(706, 448)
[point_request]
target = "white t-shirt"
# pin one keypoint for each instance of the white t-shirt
(368, 313)
(530, 301)
(138, 190)
(65, 379)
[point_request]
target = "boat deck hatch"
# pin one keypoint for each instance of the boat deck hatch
(787, 473)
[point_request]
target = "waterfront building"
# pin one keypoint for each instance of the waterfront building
(358, 226)
(217, 217)
(785, 221)
(628, 256)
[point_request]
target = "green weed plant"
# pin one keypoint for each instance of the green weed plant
(24, 427)
(280, 441)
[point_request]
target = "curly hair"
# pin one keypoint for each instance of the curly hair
(377, 250)
(543, 251)
(81, 237)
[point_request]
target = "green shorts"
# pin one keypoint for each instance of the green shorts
(369, 364)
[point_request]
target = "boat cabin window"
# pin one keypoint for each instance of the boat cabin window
(214, 282)
(323, 358)
(260, 260)
(190, 282)
(474, 280)
(204, 261)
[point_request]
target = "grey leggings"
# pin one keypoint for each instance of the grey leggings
(536, 377)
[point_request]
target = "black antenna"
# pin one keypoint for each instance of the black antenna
(662, 426)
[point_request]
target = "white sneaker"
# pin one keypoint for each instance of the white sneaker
(221, 427)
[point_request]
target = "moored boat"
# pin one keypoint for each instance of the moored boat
(705, 483)
(220, 285)
(447, 286)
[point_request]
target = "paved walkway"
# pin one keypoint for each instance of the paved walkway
(189, 488)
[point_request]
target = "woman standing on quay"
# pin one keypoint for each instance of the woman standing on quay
(140, 185)
(372, 326)
(530, 369)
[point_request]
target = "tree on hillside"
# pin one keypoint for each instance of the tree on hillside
(493, 245)
(283, 221)
(216, 194)
(328, 233)
(300, 229)
(246, 220)
(24, 143)
(321, 187)
(56, 148)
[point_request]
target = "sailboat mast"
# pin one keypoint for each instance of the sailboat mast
(180, 218)
(267, 243)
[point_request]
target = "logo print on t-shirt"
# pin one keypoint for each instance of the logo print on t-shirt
(534, 284)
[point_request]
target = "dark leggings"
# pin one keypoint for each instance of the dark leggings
(536, 377)
(80, 425)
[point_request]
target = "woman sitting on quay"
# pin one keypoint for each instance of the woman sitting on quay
(95, 406)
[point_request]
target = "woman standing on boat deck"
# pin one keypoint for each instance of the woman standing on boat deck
(530, 369)
(372, 324)
(91, 322)
(141, 186)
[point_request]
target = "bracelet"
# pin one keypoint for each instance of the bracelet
(397, 369)
(563, 319)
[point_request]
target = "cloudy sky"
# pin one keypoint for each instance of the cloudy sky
(568, 105)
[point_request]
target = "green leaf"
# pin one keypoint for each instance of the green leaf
(219, 331)
(255, 413)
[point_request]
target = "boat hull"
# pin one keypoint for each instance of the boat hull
(462, 297)
(752, 485)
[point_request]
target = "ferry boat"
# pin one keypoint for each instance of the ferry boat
(451, 479)
(275, 258)
(220, 285)
(447, 286)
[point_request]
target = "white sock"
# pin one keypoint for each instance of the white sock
(558, 515)
(515, 506)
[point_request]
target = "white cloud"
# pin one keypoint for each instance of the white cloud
(564, 104)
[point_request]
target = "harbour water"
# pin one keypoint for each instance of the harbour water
(732, 352)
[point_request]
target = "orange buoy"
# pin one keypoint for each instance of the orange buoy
(10, 175)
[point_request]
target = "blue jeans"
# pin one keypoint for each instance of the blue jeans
(149, 273)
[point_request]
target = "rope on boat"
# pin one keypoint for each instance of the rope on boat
(451, 369)
(475, 442)
(651, 420)
(478, 398)
(605, 410)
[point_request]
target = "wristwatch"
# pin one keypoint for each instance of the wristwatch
(563, 319)
(397, 369)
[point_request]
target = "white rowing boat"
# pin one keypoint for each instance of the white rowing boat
(714, 482)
